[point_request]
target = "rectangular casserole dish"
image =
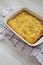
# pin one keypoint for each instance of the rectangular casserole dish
(15, 14)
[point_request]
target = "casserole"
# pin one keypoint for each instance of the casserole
(27, 25)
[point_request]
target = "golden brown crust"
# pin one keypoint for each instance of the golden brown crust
(27, 26)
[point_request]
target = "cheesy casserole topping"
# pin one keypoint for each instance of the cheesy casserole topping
(27, 26)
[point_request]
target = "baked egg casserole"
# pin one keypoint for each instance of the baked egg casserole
(27, 26)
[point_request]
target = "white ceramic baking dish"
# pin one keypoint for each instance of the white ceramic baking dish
(11, 15)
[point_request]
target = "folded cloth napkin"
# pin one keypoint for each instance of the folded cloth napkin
(5, 32)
